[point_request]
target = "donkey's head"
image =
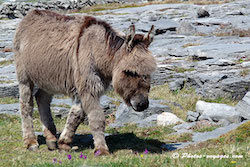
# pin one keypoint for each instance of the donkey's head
(131, 77)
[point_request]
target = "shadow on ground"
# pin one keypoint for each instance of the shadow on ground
(123, 141)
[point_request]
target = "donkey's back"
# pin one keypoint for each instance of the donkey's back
(42, 44)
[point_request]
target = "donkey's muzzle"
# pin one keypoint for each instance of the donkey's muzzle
(141, 105)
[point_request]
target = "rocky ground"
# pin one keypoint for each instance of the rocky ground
(210, 54)
(200, 52)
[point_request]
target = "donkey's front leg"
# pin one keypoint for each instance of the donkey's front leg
(96, 119)
(75, 117)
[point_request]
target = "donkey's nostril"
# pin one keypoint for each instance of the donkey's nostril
(142, 105)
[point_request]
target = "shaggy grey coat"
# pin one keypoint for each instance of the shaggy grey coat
(79, 57)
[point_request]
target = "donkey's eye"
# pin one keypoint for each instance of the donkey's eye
(131, 73)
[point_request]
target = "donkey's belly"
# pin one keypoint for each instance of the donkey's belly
(50, 79)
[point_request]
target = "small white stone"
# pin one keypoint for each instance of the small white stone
(167, 118)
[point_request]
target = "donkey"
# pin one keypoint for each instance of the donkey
(78, 56)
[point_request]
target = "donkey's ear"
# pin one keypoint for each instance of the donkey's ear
(150, 36)
(130, 36)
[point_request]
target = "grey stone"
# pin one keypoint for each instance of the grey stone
(60, 112)
(125, 114)
(9, 90)
(106, 102)
(202, 13)
(200, 137)
(217, 111)
(57, 101)
(223, 122)
(193, 114)
(191, 118)
(244, 106)
(205, 117)
(148, 122)
(245, 64)
(186, 28)
(177, 84)
(9, 108)
(185, 125)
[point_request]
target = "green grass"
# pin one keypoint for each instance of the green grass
(6, 62)
(6, 81)
(223, 100)
(4, 18)
(61, 105)
(207, 129)
(185, 99)
(182, 70)
(174, 138)
(8, 100)
(127, 149)
(157, 132)
(244, 72)
(102, 7)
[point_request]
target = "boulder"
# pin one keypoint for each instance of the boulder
(192, 116)
(125, 114)
(202, 13)
(215, 112)
(186, 28)
(166, 118)
(243, 106)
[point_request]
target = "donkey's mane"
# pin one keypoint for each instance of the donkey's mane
(114, 41)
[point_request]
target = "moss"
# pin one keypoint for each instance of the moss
(6, 62)
(61, 105)
(101, 7)
(244, 72)
(179, 101)
(206, 129)
(224, 100)
(183, 137)
(8, 100)
(6, 81)
(182, 70)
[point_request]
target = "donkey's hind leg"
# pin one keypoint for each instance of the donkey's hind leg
(43, 100)
(26, 107)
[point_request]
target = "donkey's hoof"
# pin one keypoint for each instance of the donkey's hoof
(51, 145)
(64, 147)
(101, 151)
(33, 147)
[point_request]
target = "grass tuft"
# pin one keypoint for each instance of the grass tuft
(179, 101)
(6, 62)
(8, 100)
(206, 129)
(244, 72)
